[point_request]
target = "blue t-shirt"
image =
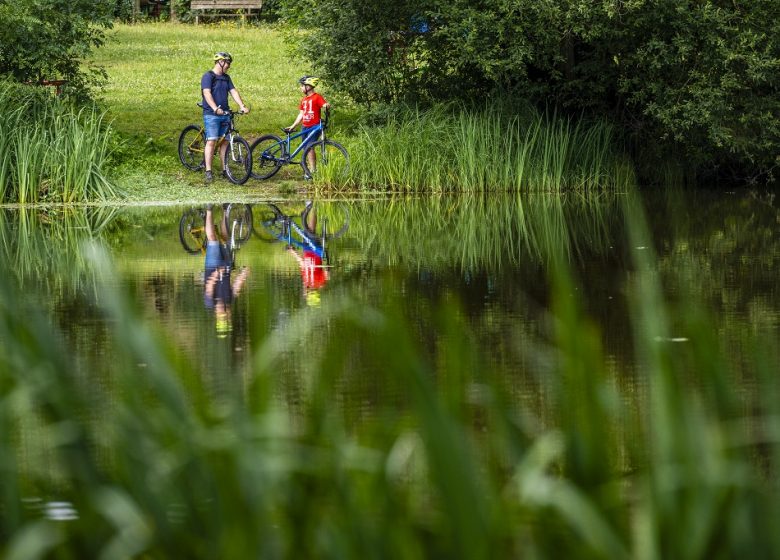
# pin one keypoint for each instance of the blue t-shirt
(220, 87)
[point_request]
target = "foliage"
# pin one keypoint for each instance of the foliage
(52, 39)
(51, 150)
(693, 81)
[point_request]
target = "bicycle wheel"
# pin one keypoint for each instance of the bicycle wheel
(331, 161)
(238, 160)
(272, 224)
(192, 145)
(330, 219)
(192, 231)
(241, 216)
(268, 153)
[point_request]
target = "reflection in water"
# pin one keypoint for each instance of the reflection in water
(220, 288)
(305, 236)
(488, 231)
(440, 304)
(47, 243)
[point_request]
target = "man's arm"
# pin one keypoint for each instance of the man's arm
(211, 103)
(237, 98)
(238, 283)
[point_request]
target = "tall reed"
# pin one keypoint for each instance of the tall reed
(51, 150)
(675, 458)
(458, 149)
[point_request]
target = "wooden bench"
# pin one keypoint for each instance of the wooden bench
(246, 7)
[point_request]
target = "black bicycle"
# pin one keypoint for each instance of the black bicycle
(238, 160)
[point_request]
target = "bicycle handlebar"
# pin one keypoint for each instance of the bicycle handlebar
(224, 111)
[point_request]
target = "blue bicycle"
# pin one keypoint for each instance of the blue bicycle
(308, 230)
(271, 152)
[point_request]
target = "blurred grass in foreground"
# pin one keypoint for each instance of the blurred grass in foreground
(686, 467)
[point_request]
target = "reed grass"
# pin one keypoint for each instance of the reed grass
(51, 151)
(486, 231)
(496, 148)
(674, 459)
(45, 247)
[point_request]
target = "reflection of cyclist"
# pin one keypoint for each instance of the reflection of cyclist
(215, 86)
(309, 114)
(313, 274)
(218, 290)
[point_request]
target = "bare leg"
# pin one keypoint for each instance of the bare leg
(311, 160)
(311, 219)
(223, 223)
(208, 153)
(223, 153)
(211, 233)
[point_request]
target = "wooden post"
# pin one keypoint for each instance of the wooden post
(136, 9)
(173, 10)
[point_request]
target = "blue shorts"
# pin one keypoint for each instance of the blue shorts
(216, 126)
(216, 256)
(306, 129)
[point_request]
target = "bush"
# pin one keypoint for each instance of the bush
(696, 82)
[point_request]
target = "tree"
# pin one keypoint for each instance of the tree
(50, 39)
(692, 80)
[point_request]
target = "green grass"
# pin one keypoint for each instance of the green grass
(154, 73)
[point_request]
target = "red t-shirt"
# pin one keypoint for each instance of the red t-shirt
(311, 106)
(312, 272)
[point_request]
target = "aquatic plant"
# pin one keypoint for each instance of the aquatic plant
(492, 149)
(51, 150)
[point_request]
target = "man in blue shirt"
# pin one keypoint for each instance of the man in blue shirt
(215, 86)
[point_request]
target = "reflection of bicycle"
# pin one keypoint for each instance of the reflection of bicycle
(308, 230)
(270, 153)
(238, 221)
(238, 159)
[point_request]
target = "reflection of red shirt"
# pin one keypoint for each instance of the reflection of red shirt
(313, 274)
(311, 106)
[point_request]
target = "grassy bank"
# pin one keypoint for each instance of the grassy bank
(154, 72)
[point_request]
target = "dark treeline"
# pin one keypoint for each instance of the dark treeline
(694, 85)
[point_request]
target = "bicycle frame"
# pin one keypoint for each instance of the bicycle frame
(310, 135)
(294, 235)
(307, 243)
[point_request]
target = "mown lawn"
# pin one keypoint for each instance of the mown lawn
(154, 72)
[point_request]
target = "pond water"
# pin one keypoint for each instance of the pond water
(486, 260)
(470, 280)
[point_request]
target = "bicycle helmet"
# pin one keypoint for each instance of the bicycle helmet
(309, 81)
(223, 56)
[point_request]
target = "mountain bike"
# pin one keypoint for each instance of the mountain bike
(308, 230)
(270, 152)
(192, 228)
(238, 159)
